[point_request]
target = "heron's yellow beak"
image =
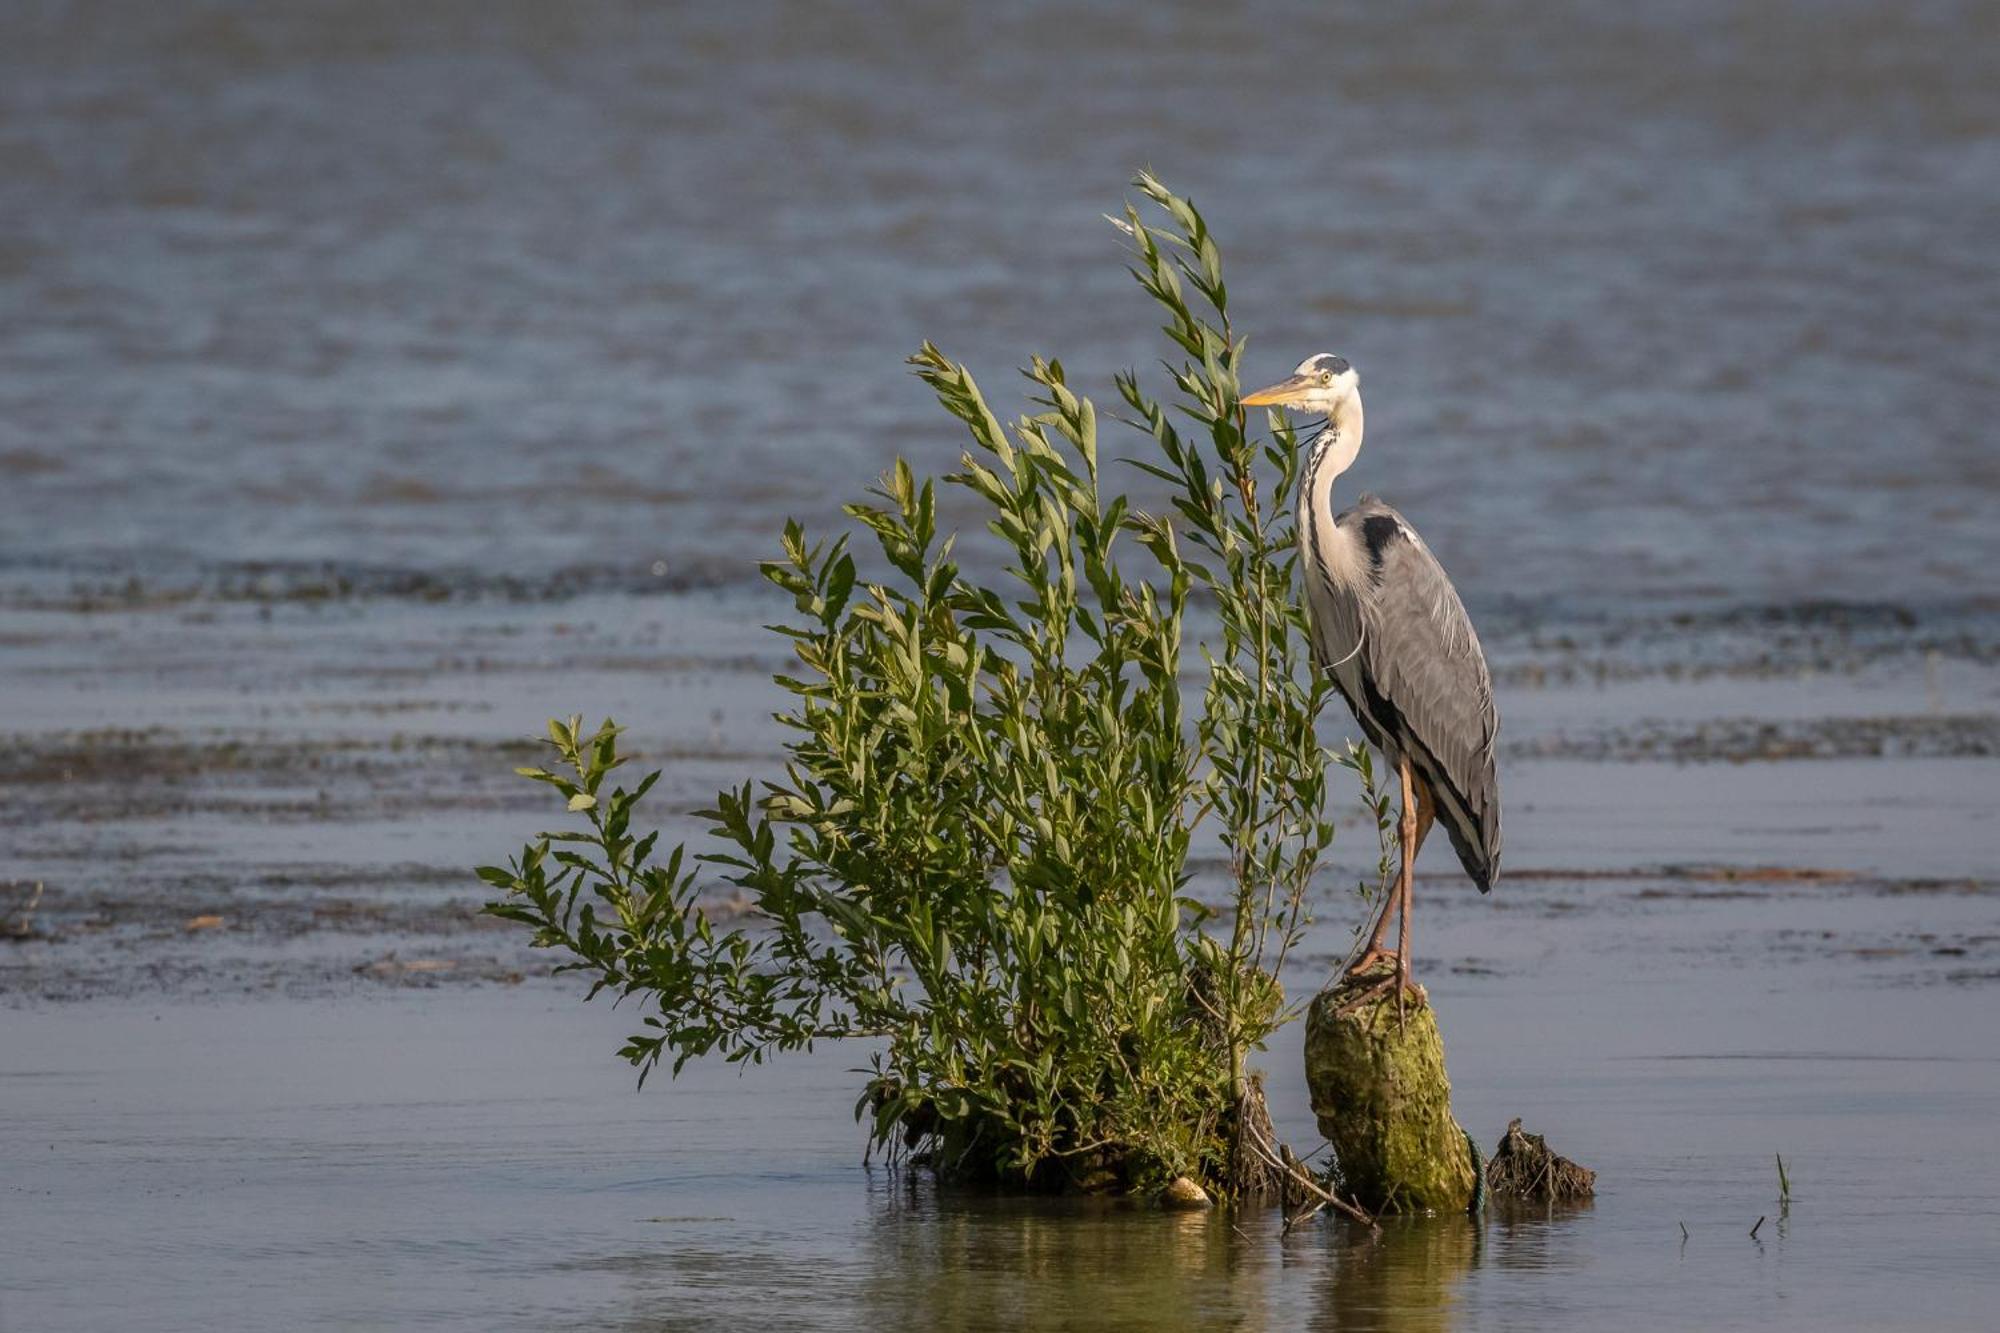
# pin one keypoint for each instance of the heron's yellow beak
(1282, 394)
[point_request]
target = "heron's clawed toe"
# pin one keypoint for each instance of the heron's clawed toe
(1370, 960)
(1361, 999)
(1395, 976)
(1366, 997)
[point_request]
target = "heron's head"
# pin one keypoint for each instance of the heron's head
(1321, 386)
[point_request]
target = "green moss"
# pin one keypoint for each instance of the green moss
(1379, 1090)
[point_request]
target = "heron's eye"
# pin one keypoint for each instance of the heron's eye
(1326, 377)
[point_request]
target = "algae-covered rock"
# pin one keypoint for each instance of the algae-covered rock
(1379, 1090)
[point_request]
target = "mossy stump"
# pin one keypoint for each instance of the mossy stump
(1379, 1090)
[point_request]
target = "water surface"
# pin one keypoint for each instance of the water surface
(375, 383)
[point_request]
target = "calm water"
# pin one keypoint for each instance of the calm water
(475, 1159)
(376, 382)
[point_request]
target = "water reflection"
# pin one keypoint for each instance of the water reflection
(1535, 1236)
(922, 1258)
(1406, 1277)
(943, 1260)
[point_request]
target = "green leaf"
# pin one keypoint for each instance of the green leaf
(1036, 834)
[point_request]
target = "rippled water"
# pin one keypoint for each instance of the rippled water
(376, 381)
(1695, 301)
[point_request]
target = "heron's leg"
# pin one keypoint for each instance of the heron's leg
(1413, 822)
(1427, 812)
(1392, 903)
(1375, 953)
(1408, 835)
(1419, 814)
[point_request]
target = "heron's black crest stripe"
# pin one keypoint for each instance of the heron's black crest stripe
(1378, 530)
(1328, 361)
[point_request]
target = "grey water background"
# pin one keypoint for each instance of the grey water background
(377, 380)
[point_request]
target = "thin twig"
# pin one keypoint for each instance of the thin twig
(1327, 1198)
(1301, 1217)
(1753, 1230)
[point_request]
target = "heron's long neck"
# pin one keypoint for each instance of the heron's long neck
(1332, 453)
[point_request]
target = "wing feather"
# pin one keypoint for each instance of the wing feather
(1425, 675)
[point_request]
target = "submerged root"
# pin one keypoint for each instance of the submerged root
(1254, 1177)
(1522, 1167)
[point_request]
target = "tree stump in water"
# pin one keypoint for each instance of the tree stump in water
(1379, 1090)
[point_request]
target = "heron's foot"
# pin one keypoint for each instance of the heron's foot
(1372, 959)
(1395, 981)
(1366, 997)
(1396, 970)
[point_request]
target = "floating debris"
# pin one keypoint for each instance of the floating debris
(1522, 1167)
(392, 966)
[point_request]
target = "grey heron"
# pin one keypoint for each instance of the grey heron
(1389, 630)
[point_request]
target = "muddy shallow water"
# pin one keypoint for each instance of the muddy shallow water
(374, 385)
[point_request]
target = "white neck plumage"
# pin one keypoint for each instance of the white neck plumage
(1331, 453)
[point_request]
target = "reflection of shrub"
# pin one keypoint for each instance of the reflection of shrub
(979, 845)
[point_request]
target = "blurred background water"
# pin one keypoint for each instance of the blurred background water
(1694, 300)
(377, 380)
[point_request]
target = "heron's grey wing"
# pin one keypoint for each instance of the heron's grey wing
(1427, 681)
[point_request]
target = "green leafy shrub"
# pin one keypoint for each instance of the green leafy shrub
(978, 852)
